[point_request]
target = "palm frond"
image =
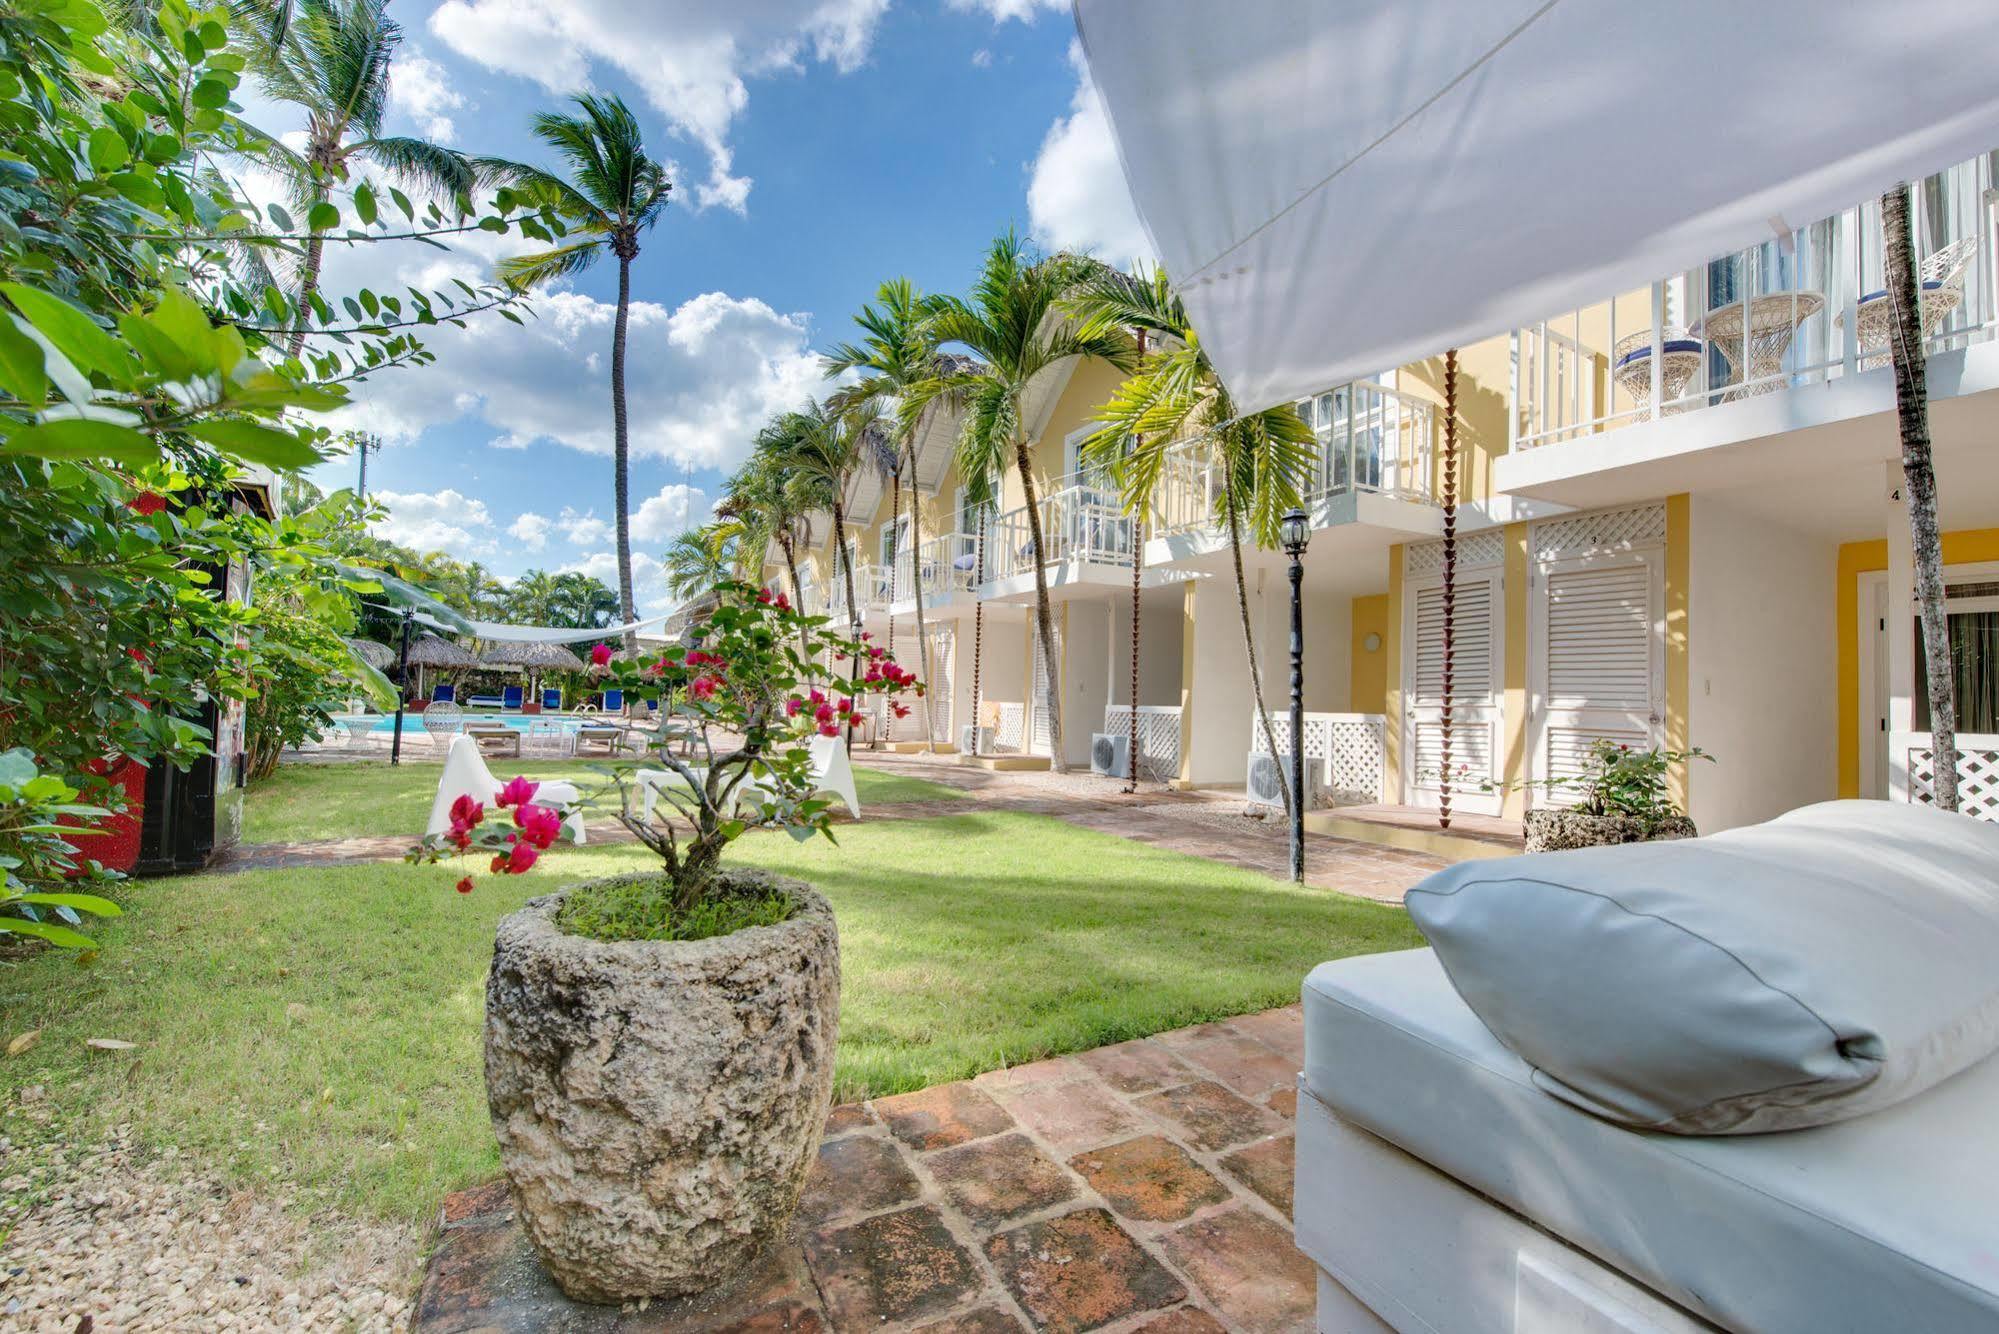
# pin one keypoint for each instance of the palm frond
(521, 272)
(429, 166)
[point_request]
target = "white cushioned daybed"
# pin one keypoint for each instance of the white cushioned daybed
(1445, 1183)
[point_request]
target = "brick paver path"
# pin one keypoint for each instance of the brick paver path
(1143, 1186)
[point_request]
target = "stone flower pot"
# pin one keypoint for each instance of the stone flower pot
(658, 1103)
(1552, 829)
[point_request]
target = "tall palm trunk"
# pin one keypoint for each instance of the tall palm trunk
(1249, 643)
(784, 544)
(315, 253)
(1044, 620)
(887, 733)
(846, 559)
(621, 447)
(916, 579)
(1912, 410)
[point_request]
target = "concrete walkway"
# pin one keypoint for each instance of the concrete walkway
(1143, 1186)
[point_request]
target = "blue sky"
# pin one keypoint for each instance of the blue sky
(818, 146)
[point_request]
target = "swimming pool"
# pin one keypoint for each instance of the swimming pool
(413, 720)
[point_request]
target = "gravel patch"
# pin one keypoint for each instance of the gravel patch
(137, 1242)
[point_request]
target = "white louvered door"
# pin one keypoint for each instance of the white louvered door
(1598, 656)
(1477, 674)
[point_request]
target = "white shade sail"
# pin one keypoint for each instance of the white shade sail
(1343, 186)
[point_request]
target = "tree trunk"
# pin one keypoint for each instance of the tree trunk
(620, 451)
(1249, 646)
(315, 253)
(1044, 620)
(1912, 410)
(916, 578)
(784, 544)
(846, 560)
(887, 715)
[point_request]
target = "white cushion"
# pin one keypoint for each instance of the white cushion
(1833, 961)
(1886, 1222)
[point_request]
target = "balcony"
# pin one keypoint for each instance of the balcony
(945, 564)
(1808, 307)
(871, 590)
(1082, 525)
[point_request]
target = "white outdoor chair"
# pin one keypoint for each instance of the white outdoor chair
(832, 775)
(444, 721)
(466, 775)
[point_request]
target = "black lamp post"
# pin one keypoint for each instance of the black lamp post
(1295, 530)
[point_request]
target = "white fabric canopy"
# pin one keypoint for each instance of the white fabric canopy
(543, 634)
(1343, 186)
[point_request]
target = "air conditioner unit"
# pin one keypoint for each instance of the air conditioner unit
(982, 744)
(1110, 754)
(1266, 788)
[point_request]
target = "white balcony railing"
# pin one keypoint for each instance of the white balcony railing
(946, 565)
(871, 589)
(1351, 747)
(1081, 520)
(1801, 309)
(1371, 438)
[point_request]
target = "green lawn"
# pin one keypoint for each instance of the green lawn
(309, 801)
(317, 1031)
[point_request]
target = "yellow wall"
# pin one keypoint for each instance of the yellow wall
(1367, 679)
(1391, 673)
(1483, 374)
(1512, 764)
(1964, 547)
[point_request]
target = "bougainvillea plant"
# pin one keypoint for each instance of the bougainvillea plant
(731, 748)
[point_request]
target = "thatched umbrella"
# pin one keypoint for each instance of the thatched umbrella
(536, 656)
(376, 654)
(431, 650)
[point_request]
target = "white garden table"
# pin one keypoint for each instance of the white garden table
(1772, 321)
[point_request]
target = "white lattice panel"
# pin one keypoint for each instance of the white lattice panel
(1348, 747)
(1158, 737)
(1011, 732)
(1602, 532)
(1977, 780)
(1475, 551)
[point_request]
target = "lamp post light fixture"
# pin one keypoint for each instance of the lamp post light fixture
(1295, 530)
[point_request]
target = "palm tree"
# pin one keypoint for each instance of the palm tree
(1912, 409)
(331, 58)
(698, 560)
(763, 507)
(612, 195)
(1262, 460)
(582, 601)
(535, 598)
(896, 353)
(1014, 324)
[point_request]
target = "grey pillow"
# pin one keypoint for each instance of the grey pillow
(1835, 960)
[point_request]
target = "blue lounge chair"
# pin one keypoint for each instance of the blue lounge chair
(443, 694)
(510, 698)
(614, 701)
(551, 700)
(652, 707)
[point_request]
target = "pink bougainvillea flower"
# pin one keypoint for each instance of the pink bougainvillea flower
(703, 687)
(792, 706)
(824, 713)
(539, 825)
(901, 710)
(147, 503)
(829, 729)
(600, 655)
(855, 720)
(459, 837)
(781, 602)
(466, 812)
(877, 652)
(867, 635)
(763, 596)
(518, 792)
(520, 857)
(464, 886)
(817, 696)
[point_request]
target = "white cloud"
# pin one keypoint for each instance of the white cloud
(1076, 195)
(659, 518)
(447, 521)
(530, 530)
(583, 529)
(982, 59)
(420, 88)
(648, 577)
(701, 378)
(692, 58)
(1002, 10)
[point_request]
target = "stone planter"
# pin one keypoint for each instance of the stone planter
(658, 1103)
(1555, 830)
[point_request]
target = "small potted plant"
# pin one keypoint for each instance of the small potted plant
(1620, 797)
(659, 1046)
